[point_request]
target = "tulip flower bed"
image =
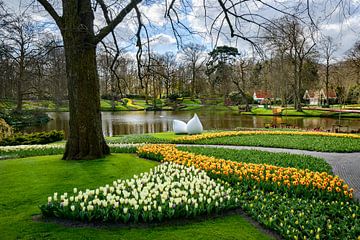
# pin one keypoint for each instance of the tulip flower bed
(271, 178)
(239, 133)
(315, 141)
(303, 218)
(262, 157)
(168, 191)
(298, 204)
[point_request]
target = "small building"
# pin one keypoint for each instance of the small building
(260, 96)
(318, 97)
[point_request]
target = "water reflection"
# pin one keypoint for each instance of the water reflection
(118, 123)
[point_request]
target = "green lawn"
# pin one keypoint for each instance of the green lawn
(304, 113)
(261, 157)
(26, 183)
(313, 143)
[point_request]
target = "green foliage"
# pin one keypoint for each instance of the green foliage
(24, 118)
(33, 138)
(5, 129)
(314, 143)
(262, 157)
(302, 218)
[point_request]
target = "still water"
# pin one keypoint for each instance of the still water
(135, 122)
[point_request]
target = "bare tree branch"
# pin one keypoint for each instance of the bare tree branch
(118, 19)
(49, 8)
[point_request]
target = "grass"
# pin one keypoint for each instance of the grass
(26, 183)
(313, 143)
(304, 113)
(262, 111)
(261, 157)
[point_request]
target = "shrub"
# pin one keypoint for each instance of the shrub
(5, 129)
(33, 138)
(25, 118)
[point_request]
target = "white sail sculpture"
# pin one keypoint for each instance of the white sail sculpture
(194, 126)
(179, 127)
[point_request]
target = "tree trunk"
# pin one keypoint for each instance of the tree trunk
(19, 95)
(86, 140)
(327, 77)
(193, 81)
(20, 79)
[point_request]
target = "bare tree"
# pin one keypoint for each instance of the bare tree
(19, 35)
(354, 57)
(299, 46)
(76, 24)
(192, 55)
(327, 48)
(241, 79)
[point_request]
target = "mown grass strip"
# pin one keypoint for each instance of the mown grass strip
(262, 157)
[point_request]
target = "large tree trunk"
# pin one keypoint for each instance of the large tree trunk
(86, 140)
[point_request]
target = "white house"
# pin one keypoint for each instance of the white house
(318, 97)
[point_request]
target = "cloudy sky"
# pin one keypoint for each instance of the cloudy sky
(341, 22)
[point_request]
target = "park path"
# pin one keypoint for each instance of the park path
(345, 165)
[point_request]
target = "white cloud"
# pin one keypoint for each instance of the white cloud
(154, 14)
(162, 39)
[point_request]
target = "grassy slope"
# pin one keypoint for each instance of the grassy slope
(26, 183)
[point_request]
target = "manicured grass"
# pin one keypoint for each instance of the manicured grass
(136, 138)
(190, 108)
(313, 143)
(304, 113)
(189, 101)
(26, 183)
(262, 111)
(167, 135)
(261, 157)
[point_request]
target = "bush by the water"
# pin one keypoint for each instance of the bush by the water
(5, 129)
(23, 119)
(33, 138)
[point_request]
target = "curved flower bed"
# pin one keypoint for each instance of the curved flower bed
(268, 177)
(168, 191)
(298, 204)
(239, 133)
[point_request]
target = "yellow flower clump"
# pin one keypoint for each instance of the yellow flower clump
(281, 176)
(238, 133)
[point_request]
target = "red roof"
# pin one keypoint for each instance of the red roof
(332, 93)
(314, 93)
(262, 94)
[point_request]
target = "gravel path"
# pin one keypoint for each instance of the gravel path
(345, 165)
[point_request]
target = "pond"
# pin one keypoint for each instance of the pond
(136, 122)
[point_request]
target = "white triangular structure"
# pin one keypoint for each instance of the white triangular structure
(179, 127)
(194, 126)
